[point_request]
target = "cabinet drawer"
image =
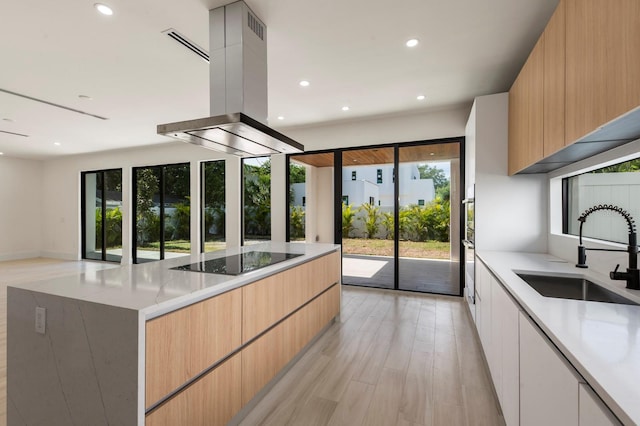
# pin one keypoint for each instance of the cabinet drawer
(211, 401)
(184, 343)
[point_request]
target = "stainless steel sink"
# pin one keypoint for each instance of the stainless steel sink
(573, 288)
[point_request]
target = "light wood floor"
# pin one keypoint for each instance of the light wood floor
(394, 358)
(24, 271)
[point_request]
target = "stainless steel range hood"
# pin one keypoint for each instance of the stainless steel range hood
(238, 90)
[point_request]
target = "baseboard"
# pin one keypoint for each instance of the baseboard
(58, 255)
(19, 256)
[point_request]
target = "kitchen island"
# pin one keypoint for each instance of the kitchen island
(148, 344)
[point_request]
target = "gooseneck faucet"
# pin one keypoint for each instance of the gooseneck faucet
(632, 276)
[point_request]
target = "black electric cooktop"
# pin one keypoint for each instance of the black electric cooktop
(238, 263)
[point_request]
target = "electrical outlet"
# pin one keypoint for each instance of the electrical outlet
(41, 319)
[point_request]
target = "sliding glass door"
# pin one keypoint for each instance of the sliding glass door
(428, 198)
(368, 217)
(102, 215)
(162, 212)
(401, 217)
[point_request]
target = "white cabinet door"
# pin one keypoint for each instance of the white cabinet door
(483, 286)
(548, 384)
(497, 312)
(509, 346)
(593, 412)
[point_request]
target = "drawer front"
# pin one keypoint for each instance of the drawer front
(184, 343)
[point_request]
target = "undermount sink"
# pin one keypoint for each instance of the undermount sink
(573, 288)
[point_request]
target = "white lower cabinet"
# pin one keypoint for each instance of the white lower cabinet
(548, 384)
(506, 315)
(593, 412)
(497, 321)
(534, 382)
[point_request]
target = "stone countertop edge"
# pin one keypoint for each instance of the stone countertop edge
(601, 340)
(153, 289)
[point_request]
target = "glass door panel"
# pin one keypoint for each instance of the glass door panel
(177, 211)
(93, 215)
(367, 217)
(147, 214)
(113, 215)
(429, 218)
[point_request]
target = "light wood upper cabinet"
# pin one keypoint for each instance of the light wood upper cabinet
(526, 99)
(602, 62)
(554, 82)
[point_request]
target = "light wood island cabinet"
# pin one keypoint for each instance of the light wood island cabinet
(208, 360)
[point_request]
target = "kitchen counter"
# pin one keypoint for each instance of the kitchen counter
(154, 288)
(601, 340)
(145, 344)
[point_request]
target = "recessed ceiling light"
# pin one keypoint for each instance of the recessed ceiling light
(1, 153)
(304, 83)
(280, 117)
(412, 42)
(420, 97)
(104, 9)
(345, 108)
(57, 143)
(85, 97)
(432, 153)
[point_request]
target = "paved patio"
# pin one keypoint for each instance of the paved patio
(425, 275)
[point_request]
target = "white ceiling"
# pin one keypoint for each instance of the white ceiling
(352, 52)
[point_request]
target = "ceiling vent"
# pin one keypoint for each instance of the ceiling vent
(14, 134)
(175, 35)
(42, 101)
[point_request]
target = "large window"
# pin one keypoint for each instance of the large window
(213, 206)
(617, 185)
(162, 212)
(256, 174)
(102, 215)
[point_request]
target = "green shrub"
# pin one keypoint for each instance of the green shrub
(348, 215)
(296, 222)
(370, 219)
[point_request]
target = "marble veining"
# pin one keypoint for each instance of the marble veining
(601, 340)
(82, 371)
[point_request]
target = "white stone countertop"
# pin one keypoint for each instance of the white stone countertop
(601, 340)
(154, 289)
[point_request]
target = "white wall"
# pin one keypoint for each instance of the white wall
(511, 211)
(22, 208)
(375, 131)
(565, 246)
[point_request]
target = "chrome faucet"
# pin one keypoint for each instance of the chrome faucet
(632, 276)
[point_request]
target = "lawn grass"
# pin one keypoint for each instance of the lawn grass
(183, 246)
(373, 247)
(378, 247)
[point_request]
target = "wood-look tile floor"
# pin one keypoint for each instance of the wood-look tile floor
(24, 271)
(393, 358)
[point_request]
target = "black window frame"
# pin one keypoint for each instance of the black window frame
(83, 214)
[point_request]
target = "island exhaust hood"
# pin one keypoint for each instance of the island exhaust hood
(238, 90)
